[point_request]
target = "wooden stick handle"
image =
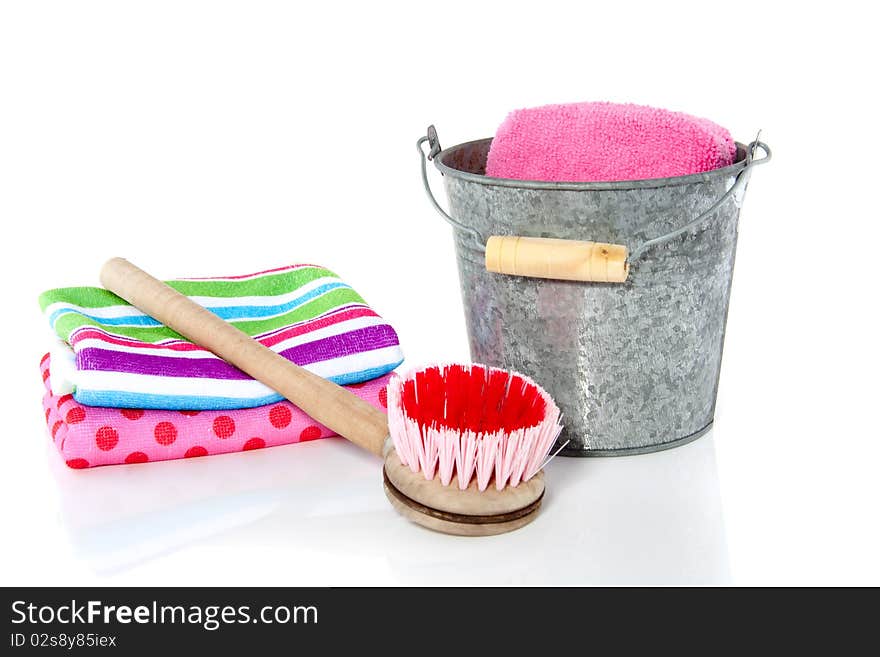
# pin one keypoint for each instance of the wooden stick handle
(569, 260)
(326, 402)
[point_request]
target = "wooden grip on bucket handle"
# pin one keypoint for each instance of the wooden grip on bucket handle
(571, 260)
(326, 402)
(567, 260)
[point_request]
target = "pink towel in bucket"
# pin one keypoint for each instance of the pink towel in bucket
(89, 436)
(593, 142)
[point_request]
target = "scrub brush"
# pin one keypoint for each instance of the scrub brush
(482, 422)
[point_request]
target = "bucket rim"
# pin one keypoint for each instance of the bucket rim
(620, 185)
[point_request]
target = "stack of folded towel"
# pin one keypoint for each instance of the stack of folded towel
(123, 388)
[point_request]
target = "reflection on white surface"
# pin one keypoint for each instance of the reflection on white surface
(636, 520)
(119, 516)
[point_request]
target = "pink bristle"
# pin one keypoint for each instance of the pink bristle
(430, 451)
(394, 391)
(466, 461)
(487, 448)
(471, 422)
(545, 436)
(521, 457)
(501, 462)
(447, 448)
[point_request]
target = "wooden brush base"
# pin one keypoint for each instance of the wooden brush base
(451, 510)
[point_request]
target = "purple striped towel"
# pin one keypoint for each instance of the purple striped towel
(116, 356)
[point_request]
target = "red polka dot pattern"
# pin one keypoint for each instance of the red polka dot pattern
(165, 433)
(106, 438)
(280, 416)
(45, 375)
(137, 457)
(92, 436)
(224, 426)
(254, 443)
(310, 433)
(383, 397)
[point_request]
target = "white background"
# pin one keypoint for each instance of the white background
(215, 138)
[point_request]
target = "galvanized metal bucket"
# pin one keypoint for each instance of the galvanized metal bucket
(634, 366)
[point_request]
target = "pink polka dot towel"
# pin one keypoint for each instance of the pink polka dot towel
(89, 436)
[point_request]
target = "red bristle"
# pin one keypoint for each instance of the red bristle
(423, 397)
(456, 393)
(495, 391)
(451, 377)
(525, 403)
(436, 406)
(532, 408)
(512, 405)
(410, 403)
(465, 398)
(475, 399)
(430, 396)
(539, 410)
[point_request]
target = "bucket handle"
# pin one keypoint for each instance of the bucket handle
(434, 144)
(576, 260)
